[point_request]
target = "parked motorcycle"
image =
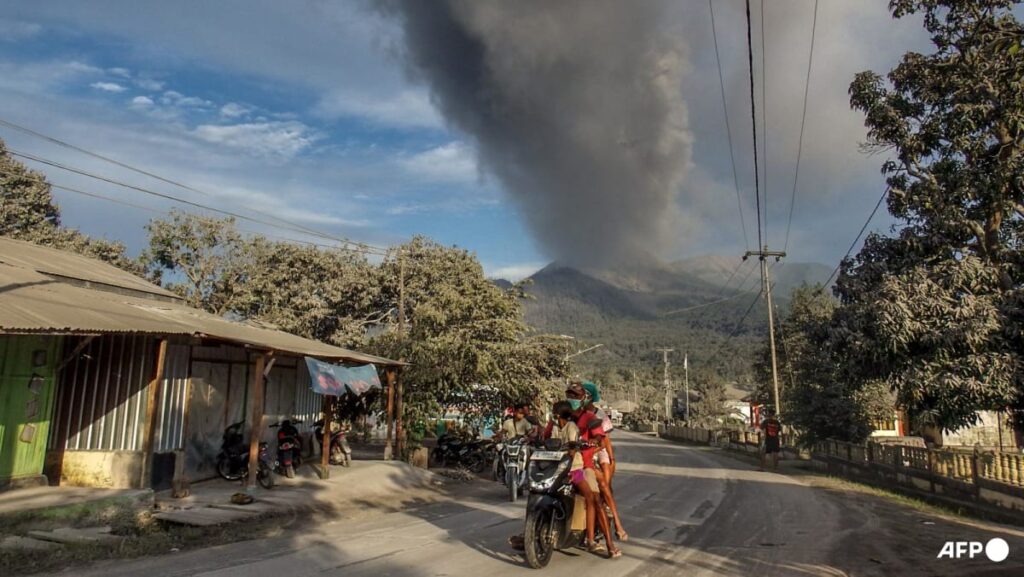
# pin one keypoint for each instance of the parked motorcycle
(340, 452)
(233, 460)
(514, 459)
(289, 448)
(555, 513)
(453, 450)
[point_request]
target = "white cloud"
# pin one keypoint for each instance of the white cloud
(234, 110)
(174, 98)
(149, 84)
(515, 272)
(261, 138)
(15, 30)
(406, 109)
(142, 102)
(452, 162)
(108, 86)
(118, 71)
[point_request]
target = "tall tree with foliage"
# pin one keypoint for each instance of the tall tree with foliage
(937, 311)
(28, 212)
(465, 337)
(821, 398)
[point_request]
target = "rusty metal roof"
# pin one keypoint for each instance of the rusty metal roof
(32, 301)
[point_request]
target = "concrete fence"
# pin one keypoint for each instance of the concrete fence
(987, 477)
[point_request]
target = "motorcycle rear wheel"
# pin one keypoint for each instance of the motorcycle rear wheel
(537, 539)
(475, 462)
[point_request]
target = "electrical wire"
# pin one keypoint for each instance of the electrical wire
(803, 121)
(369, 249)
(292, 225)
(764, 120)
(163, 212)
(856, 240)
(753, 116)
(728, 127)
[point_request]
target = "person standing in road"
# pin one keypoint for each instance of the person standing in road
(771, 428)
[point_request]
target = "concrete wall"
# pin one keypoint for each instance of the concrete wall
(109, 469)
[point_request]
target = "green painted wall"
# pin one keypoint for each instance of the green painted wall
(27, 376)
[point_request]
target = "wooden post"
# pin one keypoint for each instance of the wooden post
(325, 442)
(931, 468)
(399, 428)
(149, 433)
(975, 471)
(256, 417)
(388, 446)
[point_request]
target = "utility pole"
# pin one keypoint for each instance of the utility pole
(766, 283)
(668, 392)
(636, 397)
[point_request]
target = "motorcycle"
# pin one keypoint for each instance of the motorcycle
(452, 450)
(515, 459)
(233, 460)
(340, 452)
(289, 448)
(555, 513)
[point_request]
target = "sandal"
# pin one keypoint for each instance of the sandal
(615, 554)
(596, 548)
(623, 536)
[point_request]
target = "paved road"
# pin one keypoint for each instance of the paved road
(689, 510)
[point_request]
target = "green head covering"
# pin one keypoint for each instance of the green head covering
(591, 388)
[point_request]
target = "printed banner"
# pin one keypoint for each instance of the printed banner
(336, 380)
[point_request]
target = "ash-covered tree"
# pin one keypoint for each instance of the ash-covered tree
(465, 337)
(935, 311)
(821, 398)
(28, 212)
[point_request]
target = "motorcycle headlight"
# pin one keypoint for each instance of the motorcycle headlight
(549, 477)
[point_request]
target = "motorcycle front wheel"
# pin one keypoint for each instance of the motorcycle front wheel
(264, 476)
(512, 481)
(537, 539)
(227, 471)
(475, 462)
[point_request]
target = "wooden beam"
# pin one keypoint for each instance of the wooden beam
(149, 432)
(325, 442)
(256, 417)
(389, 374)
(399, 417)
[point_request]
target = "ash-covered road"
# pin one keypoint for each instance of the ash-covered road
(689, 511)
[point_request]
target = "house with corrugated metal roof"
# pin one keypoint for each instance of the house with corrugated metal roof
(109, 380)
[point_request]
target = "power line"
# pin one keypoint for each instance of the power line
(728, 127)
(764, 120)
(738, 294)
(294, 226)
(370, 249)
(753, 116)
(168, 213)
(803, 120)
(856, 240)
(57, 141)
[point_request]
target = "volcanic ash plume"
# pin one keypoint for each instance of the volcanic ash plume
(574, 105)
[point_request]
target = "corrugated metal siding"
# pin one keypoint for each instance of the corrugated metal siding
(102, 394)
(173, 399)
(308, 405)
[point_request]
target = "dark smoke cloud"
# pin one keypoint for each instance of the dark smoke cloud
(574, 105)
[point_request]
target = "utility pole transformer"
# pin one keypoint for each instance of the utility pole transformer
(668, 389)
(766, 284)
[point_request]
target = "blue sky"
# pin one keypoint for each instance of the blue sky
(303, 111)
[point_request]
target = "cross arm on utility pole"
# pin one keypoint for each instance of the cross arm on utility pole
(763, 254)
